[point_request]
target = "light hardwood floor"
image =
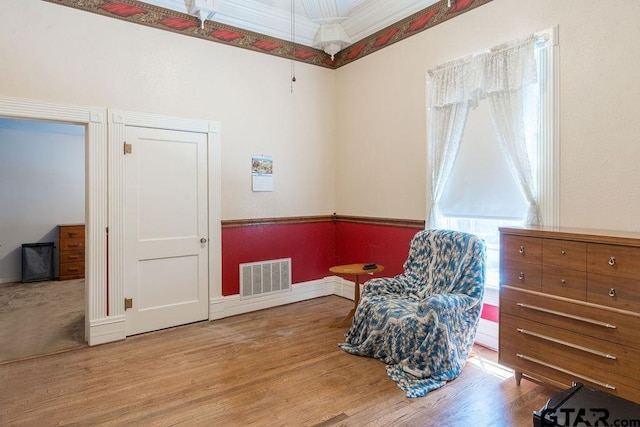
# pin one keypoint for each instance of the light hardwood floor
(276, 367)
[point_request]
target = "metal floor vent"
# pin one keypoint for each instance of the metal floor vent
(260, 278)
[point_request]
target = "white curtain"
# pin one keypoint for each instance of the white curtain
(445, 129)
(500, 75)
(448, 106)
(517, 70)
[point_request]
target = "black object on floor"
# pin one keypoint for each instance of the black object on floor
(37, 262)
(584, 406)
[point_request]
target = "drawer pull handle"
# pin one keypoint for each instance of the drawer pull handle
(612, 261)
(612, 292)
(73, 245)
(567, 344)
(557, 368)
(73, 257)
(72, 269)
(570, 316)
(73, 234)
(563, 281)
(521, 250)
(521, 276)
(563, 253)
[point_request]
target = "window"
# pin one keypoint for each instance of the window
(473, 186)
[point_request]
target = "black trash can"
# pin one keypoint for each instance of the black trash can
(37, 262)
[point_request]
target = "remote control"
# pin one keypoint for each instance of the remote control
(369, 266)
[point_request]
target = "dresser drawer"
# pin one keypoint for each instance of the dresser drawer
(72, 269)
(613, 363)
(582, 323)
(574, 357)
(71, 256)
(71, 231)
(564, 254)
(522, 249)
(72, 244)
(564, 283)
(613, 260)
(521, 275)
(586, 319)
(617, 292)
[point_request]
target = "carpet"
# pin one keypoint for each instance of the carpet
(40, 318)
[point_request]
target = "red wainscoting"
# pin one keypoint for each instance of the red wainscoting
(314, 246)
(383, 244)
(490, 312)
(310, 245)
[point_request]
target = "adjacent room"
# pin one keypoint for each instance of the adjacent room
(231, 162)
(41, 286)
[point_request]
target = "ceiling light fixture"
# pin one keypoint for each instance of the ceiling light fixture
(202, 9)
(329, 14)
(331, 38)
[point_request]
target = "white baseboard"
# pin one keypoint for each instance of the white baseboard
(487, 334)
(113, 329)
(343, 288)
(233, 305)
(10, 279)
(106, 330)
(491, 296)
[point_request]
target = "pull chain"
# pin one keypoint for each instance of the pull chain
(293, 41)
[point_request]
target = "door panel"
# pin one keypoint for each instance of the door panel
(166, 264)
(156, 286)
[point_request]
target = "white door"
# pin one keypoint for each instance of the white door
(166, 241)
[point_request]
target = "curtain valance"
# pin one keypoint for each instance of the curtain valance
(503, 68)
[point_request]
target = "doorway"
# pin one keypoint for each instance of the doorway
(105, 211)
(42, 185)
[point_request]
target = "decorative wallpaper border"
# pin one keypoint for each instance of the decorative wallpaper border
(181, 23)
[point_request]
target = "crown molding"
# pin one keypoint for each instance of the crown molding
(170, 20)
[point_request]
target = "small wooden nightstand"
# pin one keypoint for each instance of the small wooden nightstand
(71, 251)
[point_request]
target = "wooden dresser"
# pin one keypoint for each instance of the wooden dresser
(570, 307)
(71, 252)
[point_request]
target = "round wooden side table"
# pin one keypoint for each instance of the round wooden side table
(355, 270)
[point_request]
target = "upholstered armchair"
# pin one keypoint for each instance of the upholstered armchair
(422, 323)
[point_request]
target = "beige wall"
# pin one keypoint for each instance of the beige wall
(381, 154)
(352, 140)
(53, 53)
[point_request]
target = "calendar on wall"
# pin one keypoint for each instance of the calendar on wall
(262, 173)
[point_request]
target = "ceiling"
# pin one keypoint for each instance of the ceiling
(359, 18)
(350, 29)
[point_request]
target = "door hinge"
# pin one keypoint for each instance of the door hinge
(128, 148)
(128, 303)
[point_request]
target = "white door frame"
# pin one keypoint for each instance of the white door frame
(118, 120)
(94, 119)
(104, 303)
